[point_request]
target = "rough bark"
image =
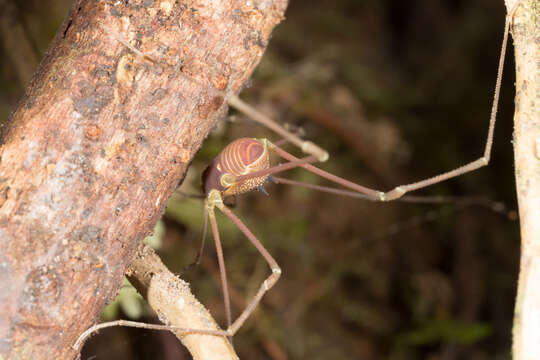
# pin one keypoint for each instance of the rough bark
(101, 139)
(526, 34)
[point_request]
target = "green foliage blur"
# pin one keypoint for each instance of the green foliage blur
(396, 92)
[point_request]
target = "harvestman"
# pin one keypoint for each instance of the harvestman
(244, 165)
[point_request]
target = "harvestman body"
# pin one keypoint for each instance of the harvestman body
(244, 165)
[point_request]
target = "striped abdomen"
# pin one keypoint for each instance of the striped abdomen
(241, 157)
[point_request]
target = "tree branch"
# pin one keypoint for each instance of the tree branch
(171, 298)
(99, 142)
(526, 32)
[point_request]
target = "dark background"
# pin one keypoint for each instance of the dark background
(396, 91)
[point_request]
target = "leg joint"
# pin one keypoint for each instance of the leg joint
(484, 160)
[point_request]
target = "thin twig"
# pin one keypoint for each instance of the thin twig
(171, 298)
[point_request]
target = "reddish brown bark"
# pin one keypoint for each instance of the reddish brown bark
(101, 139)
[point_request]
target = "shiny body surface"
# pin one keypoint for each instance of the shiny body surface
(241, 157)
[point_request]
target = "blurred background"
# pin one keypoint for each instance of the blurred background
(396, 91)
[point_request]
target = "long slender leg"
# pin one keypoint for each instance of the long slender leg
(221, 262)
(266, 285)
(305, 163)
(359, 191)
(197, 260)
(327, 189)
(463, 201)
(354, 194)
(400, 190)
(277, 169)
(370, 193)
(136, 324)
(203, 236)
(231, 328)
